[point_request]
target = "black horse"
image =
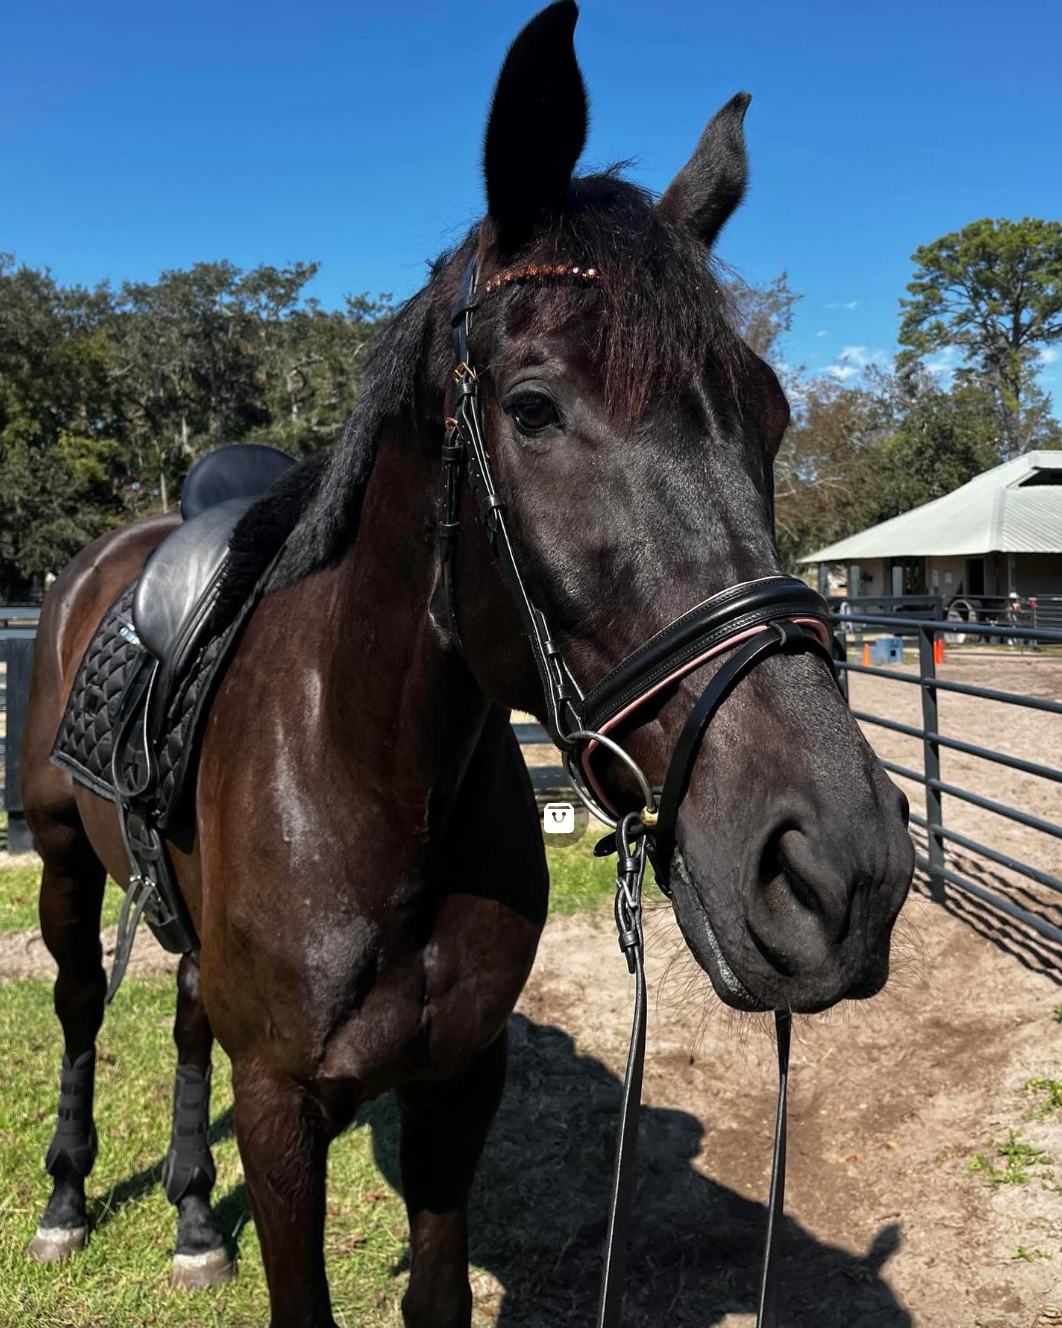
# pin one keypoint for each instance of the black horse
(365, 870)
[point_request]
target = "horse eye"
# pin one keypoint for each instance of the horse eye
(533, 412)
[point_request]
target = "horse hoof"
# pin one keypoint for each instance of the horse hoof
(194, 1272)
(52, 1244)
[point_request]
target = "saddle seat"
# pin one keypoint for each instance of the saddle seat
(177, 589)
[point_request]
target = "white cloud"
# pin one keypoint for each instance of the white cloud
(851, 304)
(945, 363)
(823, 333)
(1048, 355)
(843, 304)
(853, 360)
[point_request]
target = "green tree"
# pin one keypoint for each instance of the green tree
(762, 315)
(993, 291)
(314, 363)
(824, 473)
(187, 363)
(60, 459)
(941, 440)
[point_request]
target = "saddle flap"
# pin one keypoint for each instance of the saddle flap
(178, 585)
(237, 470)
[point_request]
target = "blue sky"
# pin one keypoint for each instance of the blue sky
(135, 137)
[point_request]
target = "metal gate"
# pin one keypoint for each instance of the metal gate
(926, 633)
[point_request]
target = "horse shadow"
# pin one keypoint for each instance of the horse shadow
(230, 1214)
(541, 1196)
(539, 1208)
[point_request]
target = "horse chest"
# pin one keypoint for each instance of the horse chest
(427, 1009)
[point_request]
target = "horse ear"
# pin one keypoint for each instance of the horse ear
(537, 127)
(712, 183)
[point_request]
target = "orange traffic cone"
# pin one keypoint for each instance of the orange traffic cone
(866, 656)
(938, 650)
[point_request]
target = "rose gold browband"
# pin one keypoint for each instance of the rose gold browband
(570, 270)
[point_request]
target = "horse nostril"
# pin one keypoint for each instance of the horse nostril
(777, 870)
(905, 808)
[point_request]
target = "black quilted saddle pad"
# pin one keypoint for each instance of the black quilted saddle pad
(84, 744)
(85, 741)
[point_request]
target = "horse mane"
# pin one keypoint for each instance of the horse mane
(664, 318)
(330, 520)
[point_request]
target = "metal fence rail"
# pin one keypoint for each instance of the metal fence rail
(938, 834)
(18, 630)
(969, 617)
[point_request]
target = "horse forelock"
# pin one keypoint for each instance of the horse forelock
(660, 314)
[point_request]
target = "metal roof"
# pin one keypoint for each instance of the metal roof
(991, 512)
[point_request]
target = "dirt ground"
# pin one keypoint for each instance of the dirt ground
(890, 1101)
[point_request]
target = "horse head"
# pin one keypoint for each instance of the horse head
(631, 436)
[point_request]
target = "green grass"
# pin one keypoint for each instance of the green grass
(19, 887)
(123, 1276)
(1052, 1100)
(18, 897)
(1022, 1162)
(579, 883)
(1030, 1256)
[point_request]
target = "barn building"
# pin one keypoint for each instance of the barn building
(997, 536)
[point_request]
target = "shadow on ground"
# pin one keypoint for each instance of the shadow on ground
(538, 1218)
(230, 1214)
(1013, 937)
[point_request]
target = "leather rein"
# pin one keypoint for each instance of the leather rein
(748, 623)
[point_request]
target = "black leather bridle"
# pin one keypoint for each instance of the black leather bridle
(747, 623)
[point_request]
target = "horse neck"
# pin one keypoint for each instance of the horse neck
(392, 677)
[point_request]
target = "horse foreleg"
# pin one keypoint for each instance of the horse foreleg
(444, 1128)
(70, 903)
(200, 1258)
(283, 1137)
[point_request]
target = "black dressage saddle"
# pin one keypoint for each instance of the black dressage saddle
(181, 652)
(176, 591)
